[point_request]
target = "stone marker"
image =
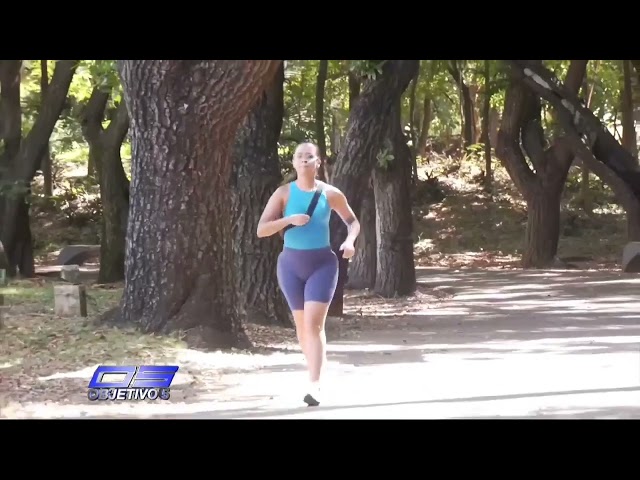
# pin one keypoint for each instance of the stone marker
(70, 300)
(631, 257)
(70, 273)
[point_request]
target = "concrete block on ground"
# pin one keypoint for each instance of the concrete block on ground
(631, 258)
(70, 273)
(70, 300)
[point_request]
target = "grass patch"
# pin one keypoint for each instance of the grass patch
(44, 358)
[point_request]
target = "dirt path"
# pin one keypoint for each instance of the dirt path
(503, 344)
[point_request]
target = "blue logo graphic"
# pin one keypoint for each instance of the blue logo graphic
(146, 382)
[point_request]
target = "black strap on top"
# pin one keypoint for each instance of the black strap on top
(310, 209)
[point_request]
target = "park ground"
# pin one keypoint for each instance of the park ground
(481, 338)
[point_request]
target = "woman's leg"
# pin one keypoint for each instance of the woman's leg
(318, 294)
(315, 315)
(298, 318)
(293, 290)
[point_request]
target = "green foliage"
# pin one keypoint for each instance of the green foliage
(385, 156)
(367, 69)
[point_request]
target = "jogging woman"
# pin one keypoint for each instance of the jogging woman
(307, 266)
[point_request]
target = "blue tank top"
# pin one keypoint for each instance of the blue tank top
(315, 234)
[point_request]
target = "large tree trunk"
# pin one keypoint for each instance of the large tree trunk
(256, 174)
(396, 275)
(362, 270)
(15, 228)
(366, 128)
(179, 270)
(580, 123)
(543, 223)
(541, 190)
(603, 155)
(104, 151)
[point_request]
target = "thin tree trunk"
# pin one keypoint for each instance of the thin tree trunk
(466, 102)
(320, 136)
(412, 128)
(104, 153)
(486, 116)
(426, 124)
(46, 158)
(628, 124)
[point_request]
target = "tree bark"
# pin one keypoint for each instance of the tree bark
(542, 190)
(624, 195)
(320, 136)
(179, 270)
(485, 139)
(412, 127)
(425, 125)
(354, 88)
(104, 150)
(10, 112)
(396, 275)
(366, 127)
(16, 231)
(256, 175)
(362, 270)
(627, 110)
(468, 120)
(46, 158)
(579, 122)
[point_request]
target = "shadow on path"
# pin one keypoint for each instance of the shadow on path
(255, 413)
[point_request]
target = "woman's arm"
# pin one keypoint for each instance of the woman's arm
(341, 206)
(271, 221)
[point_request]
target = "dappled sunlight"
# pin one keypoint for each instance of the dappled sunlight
(84, 374)
(468, 343)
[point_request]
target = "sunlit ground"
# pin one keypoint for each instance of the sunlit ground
(500, 344)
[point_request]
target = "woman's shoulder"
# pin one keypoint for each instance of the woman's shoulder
(329, 189)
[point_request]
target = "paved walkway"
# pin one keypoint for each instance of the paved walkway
(508, 344)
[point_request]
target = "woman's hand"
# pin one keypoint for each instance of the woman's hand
(298, 219)
(347, 249)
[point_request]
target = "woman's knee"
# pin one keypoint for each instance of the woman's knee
(315, 314)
